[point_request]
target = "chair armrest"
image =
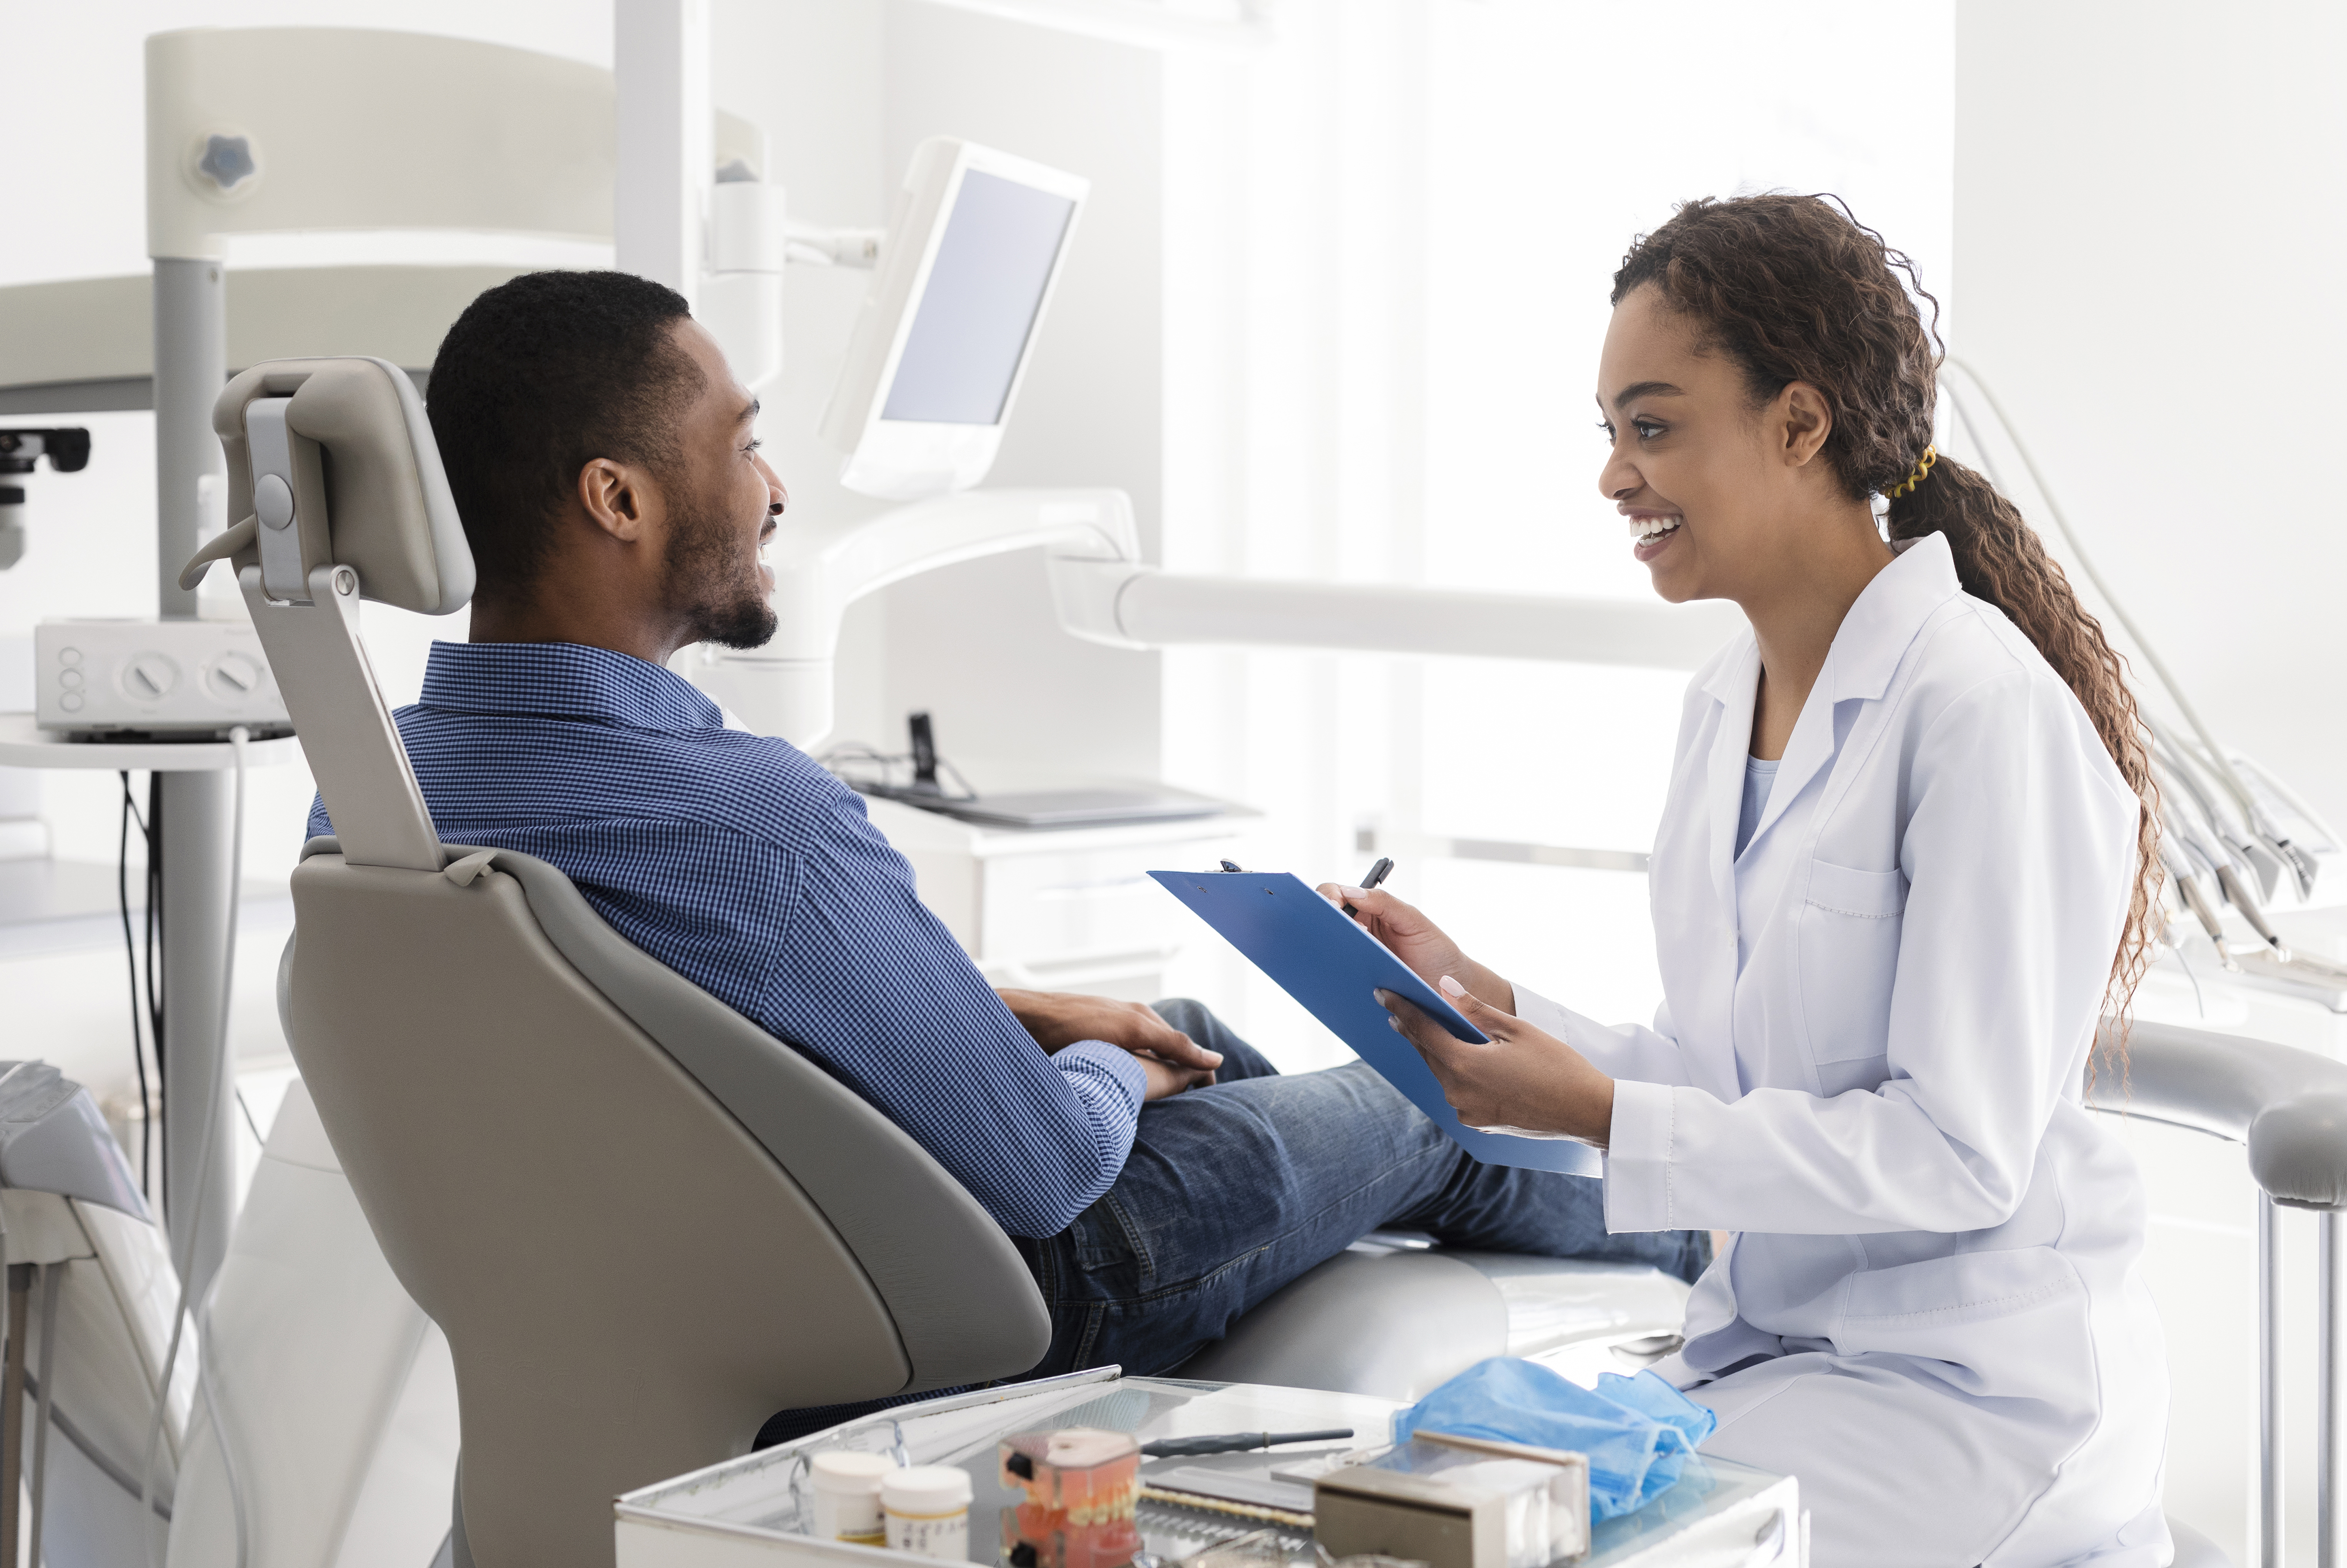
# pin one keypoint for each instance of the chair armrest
(2289, 1106)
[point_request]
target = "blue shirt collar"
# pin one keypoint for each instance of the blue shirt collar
(564, 680)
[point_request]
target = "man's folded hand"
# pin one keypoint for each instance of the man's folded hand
(1056, 1018)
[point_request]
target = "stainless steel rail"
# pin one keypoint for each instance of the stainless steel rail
(2288, 1109)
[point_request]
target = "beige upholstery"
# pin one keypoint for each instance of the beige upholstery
(629, 1280)
(381, 507)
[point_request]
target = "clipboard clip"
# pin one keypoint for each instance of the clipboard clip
(1231, 865)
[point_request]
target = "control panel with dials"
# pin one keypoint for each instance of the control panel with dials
(154, 677)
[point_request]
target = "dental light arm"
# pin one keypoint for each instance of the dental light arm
(820, 568)
(1104, 593)
(1127, 605)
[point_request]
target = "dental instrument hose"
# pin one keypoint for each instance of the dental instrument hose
(207, 1386)
(2301, 863)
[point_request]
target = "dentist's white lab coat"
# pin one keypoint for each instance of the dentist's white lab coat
(1868, 1065)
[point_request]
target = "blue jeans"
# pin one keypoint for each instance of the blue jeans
(1238, 1186)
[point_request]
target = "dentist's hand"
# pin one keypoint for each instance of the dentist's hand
(1524, 1078)
(1170, 1059)
(1418, 941)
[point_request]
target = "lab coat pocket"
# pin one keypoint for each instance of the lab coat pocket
(1848, 946)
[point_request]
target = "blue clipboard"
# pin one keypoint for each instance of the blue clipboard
(1318, 956)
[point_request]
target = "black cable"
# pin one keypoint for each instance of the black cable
(156, 982)
(130, 956)
(850, 754)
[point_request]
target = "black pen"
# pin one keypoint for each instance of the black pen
(1237, 1442)
(1377, 873)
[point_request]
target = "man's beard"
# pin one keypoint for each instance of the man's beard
(720, 594)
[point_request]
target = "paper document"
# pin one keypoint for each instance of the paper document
(1318, 956)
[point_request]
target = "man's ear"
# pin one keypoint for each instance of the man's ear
(1806, 419)
(616, 495)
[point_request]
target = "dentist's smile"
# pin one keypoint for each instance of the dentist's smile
(1651, 532)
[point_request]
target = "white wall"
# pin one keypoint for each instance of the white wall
(2148, 231)
(2147, 239)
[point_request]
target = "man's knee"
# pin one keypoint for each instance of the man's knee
(1192, 1017)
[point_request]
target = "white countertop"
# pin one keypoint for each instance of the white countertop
(24, 745)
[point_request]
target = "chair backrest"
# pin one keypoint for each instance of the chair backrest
(643, 1224)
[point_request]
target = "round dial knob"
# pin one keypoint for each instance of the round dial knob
(233, 678)
(150, 677)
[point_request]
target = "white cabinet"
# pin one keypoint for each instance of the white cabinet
(1066, 909)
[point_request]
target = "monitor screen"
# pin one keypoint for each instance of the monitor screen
(985, 286)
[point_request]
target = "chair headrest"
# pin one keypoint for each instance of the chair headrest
(332, 462)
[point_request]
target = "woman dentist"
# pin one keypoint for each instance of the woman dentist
(1904, 865)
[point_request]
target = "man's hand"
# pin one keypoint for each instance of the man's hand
(1170, 1059)
(1418, 941)
(1165, 1080)
(1524, 1078)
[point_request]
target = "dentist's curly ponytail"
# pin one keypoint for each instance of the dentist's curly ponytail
(1794, 288)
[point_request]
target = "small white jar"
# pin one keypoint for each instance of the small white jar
(927, 1510)
(847, 1487)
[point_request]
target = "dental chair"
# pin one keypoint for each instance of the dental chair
(643, 1224)
(2288, 1109)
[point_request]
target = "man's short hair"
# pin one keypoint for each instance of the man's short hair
(539, 376)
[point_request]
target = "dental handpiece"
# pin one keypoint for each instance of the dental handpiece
(2236, 893)
(2188, 888)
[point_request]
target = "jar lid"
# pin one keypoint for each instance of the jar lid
(926, 1488)
(850, 1471)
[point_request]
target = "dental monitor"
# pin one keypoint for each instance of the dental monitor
(947, 330)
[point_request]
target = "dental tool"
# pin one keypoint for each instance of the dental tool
(2203, 842)
(1962, 384)
(2188, 888)
(2261, 858)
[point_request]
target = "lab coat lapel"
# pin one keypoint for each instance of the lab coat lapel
(1873, 636)
(1809, 749)
(1735, 688)
(1882, 625)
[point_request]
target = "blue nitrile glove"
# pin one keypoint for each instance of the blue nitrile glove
(1638, 1432)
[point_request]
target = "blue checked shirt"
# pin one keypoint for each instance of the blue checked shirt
(740, 864)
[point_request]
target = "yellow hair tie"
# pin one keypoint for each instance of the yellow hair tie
(1922, 472)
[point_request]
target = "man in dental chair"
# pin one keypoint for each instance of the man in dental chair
(1158, 1174)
